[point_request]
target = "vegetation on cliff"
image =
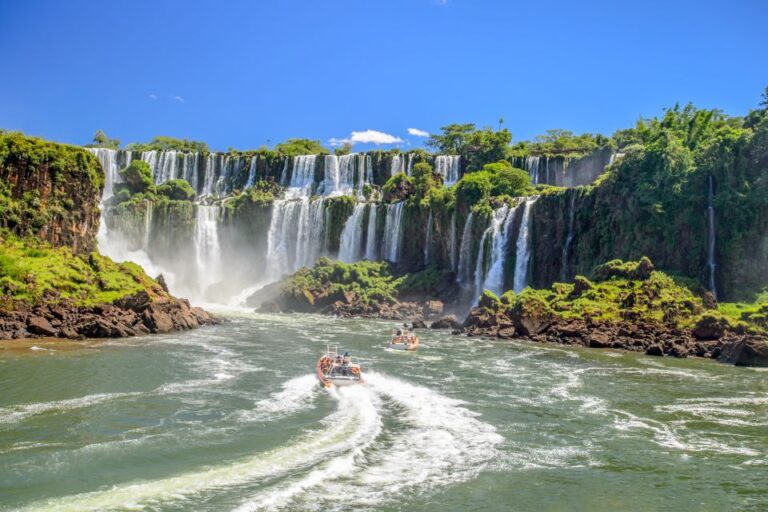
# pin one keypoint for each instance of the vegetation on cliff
(33, 272)
(163, 143)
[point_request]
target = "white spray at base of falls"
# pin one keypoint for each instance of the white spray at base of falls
(351, 244)
(207, 246)
(711, 264)
(448, 167)
(370, 243)
(523, 248)
(393, 232)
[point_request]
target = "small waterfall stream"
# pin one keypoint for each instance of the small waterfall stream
(465, 253)
(711, 264)
(428, 243)
(448, 167)
(393, 232)
(569, 237)
(207, 248)
(351, 245)
(452, 242)
(371, 249)
(523, 254)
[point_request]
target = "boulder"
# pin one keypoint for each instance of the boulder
(746, 351)
(654, 350)
(136, 302)
(433, 308)
(418, 324)
(157, 319)
(41, 326)
(161, 281)
(446, 322)
(599, 339)
(711, 326)
(532, 316)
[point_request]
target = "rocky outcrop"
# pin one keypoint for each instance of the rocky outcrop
(51, 191)
(650, 338)
(132, 316)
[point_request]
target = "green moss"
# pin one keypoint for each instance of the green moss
(34, 273)
(176, 190)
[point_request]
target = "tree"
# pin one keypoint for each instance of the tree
(453, 139)
(506, 180)
(295, 147)
(177, 190)
(477, 147)
(344, 149)
(424, 178)
(100, 140)
(473, 188)
(137, 176)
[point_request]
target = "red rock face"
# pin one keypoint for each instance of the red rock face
(54, 190)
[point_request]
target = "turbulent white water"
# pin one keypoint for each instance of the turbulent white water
(351, 245)
(523, 248)
(448, 166)
(393, 232)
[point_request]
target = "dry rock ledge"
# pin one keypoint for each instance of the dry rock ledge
(133, 315)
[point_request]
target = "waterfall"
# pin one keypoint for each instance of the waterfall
(147, 225)
(368, 169)
(448, 167)
(295, 235)
(523, 248)
(109, 160)
(397, 164)
(711, 237)
(499, 230)
(531, 164)
(393, 232)
(452, 242)
(252, 172)
(465, 253)
(302, 177)
(569, 237)
(351, 245)
(428, 243)
(370, 243)
(207, 249)
(284, 173)
(341, 173)
(409, 168)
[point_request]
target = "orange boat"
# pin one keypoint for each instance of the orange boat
(403, 339)
(334, 368)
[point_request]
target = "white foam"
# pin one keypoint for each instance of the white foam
(17, 413)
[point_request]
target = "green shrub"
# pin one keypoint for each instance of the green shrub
(137, 176)
(177, 190)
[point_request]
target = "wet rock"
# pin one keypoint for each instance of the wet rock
(654, 350)
(41, 326)
(745, 351)
(531, 316)
(157, 320)
(710, 327)
(598, 339)
(446, 322)
(433, 308)
(161, 281)
(418, 324)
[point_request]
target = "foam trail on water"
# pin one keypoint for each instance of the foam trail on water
(354, 424)
(15, 414)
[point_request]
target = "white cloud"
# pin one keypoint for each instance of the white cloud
(367, 137)
(179, 99)
(153, 96)
(418, 133)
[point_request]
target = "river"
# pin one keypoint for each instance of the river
(232, 418)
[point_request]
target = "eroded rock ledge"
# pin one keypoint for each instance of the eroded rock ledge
(134, 315)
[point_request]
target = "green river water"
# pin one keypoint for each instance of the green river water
(232, 418)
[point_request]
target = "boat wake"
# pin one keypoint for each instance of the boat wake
(380, 440)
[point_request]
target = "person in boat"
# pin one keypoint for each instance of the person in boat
(345, 360)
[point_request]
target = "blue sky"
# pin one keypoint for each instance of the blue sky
(240, 74)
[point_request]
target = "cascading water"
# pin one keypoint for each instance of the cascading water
(397, 165)
(371, 252)
(302, 177)
(207, 248)
(393, 232)
(569, 237)
(351, 245)
(252, 172)
(448, 167)
(499, 230)
(342, 173)
(711, 237)
(523, 253)
(532, 166)
(465, 253)
(428, 243)
(409, 167)
(295, 235)
(452, 242)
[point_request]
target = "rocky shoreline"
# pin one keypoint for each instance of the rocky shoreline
(705, 340)
(134, 315)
